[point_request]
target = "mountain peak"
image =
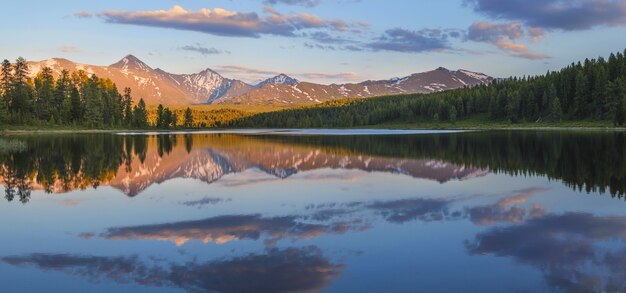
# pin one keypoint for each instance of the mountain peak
(209, 71)
(131, 62)
(280, 79)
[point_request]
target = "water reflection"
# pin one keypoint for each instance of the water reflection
(570, 248)
(287, 270)
(269, 213)
(585, 161)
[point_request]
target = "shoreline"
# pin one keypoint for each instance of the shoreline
(374, 128)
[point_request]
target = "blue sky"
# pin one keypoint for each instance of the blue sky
(318, 40)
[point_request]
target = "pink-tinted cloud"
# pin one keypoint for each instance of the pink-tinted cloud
(506, 36)
(223, 22)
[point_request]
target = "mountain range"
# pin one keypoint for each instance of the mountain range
(157, 86)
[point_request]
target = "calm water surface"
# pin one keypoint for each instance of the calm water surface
(306, 212)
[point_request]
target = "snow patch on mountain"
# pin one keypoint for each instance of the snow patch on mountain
(279, 79)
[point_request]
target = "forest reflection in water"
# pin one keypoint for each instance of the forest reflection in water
(492, 211)
(589, 161)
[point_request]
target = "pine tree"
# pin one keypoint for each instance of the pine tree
(4, 113)
(188, 119)
(556, 113)
(93, 103)
(580, 99)
(160, 119)
(140, 115)
(20, 91)
(76, 105)
(453, 114)
(61, 104)
(44, 90)
(127, 107)
(616, 93)
(513, 108)
(6, 82)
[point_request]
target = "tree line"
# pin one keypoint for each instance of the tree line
(69, 99)
(76, 99)
(592, 90)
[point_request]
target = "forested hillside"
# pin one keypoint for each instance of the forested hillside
(71, 99)
(592, 90)
(78, 99)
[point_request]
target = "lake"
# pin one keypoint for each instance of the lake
(314, 211)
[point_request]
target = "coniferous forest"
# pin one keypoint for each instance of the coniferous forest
(70, 99)
(592, 90)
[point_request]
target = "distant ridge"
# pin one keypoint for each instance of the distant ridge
(157, 86)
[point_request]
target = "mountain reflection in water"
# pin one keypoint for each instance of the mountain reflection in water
(499, 211)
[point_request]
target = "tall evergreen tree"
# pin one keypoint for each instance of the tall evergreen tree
(44, 94)
(616, 92)
(61, 104)
(127, 107)
(140, 115)
(93, 103)
(188, 119)
(160, 119)
(76, 105)
(6, 80)
(20, 91)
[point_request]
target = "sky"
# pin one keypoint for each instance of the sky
(324, 41)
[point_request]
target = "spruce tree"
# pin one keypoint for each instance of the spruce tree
(160, 119)
(127, 107)
(44, 98)
(93, 103)
(556, 113)
(6, 80)
(76, 105)
(21, 93)
(140, 115)
(188, 119)
(61, 104)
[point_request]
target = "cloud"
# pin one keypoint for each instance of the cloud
(229, 228)
(506, 209)
(400, 211)
(483, 31)
(256, 74)
(556, 14)
(307, 3)
(504, 35)
(82, 14)
(328, 75)
(402, 40)
(568, 248)
(204, 202)
(326, 38)
(393, 211)
(202, 50)
(69, 49)
(287, 270)
(222, 22)
(328, 220)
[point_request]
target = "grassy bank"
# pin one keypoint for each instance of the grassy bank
(484, 124)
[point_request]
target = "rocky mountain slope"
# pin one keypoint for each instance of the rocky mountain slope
(157, 86)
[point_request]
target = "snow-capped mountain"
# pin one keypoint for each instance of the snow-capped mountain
(440, 79)
(157, 86)
(279, 79)
(204, 87)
